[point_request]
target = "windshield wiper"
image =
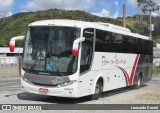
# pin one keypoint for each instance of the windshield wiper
(56, 67)
(59, 72)
(35, 62)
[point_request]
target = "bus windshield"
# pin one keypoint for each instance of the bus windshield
(49, 49)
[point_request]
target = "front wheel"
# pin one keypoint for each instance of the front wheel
(97, 92)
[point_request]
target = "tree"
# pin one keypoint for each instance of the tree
(147, 7)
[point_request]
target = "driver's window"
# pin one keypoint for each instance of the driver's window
(87, 49)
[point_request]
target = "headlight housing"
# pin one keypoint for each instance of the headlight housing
(25, 79)
(68, 83)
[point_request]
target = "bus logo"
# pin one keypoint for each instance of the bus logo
(115, 61)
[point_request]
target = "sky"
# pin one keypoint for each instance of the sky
(103, 8)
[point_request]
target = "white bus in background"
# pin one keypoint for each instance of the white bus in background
(69, 58)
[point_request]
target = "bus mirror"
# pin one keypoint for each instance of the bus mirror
(76, 45)
(75, 50)
(12, 45)
(12, 42)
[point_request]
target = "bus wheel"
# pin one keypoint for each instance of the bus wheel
(139, 82)
(98, 91)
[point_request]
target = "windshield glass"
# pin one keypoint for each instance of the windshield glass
(50, 49)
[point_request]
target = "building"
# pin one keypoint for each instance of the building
(5, 52)
(9, 62)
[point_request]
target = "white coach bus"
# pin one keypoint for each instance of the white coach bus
(69, 58)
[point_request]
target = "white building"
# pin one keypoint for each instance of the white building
(5, 52)
(7, 57)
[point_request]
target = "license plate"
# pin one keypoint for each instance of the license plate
(43, 90)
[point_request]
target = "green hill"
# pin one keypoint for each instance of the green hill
(17, 23)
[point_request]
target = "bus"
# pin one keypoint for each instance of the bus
(71, 58)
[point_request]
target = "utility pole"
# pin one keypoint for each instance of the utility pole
(124, 16)
(151, 26)
(149, 6)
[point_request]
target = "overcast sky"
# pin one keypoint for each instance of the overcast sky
(104, 8)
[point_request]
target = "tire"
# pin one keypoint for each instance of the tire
(139, 82)
(98, 91)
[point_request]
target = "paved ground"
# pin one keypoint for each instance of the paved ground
(149, 93)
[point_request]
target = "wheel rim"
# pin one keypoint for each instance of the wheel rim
(139, 81)
(97, 89)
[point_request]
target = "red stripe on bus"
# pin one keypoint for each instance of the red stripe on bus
(133, 70)
(126, 74)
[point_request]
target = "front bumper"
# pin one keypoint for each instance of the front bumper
(66, 91)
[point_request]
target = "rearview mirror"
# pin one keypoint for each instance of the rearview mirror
(75, 46)
(12, 42)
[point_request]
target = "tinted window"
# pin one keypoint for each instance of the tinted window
(49, 49)
(103, 40)
(87, 49)
(113, 42)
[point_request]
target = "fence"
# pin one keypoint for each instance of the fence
(9, 67)
(156, 58)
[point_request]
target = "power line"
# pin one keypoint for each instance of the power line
(38, 4)
(43, 3)
(1, 16)
(3, 12)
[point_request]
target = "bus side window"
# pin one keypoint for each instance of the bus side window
(117, 43)
(87, 49)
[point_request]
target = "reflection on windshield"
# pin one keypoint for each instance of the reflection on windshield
(49, 49)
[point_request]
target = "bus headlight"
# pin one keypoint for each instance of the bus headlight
(68, 83)
(25, 79)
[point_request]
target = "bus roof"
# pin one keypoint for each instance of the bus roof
(84, 24)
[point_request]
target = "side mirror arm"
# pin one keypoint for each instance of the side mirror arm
(12, 42)
(75, 46)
